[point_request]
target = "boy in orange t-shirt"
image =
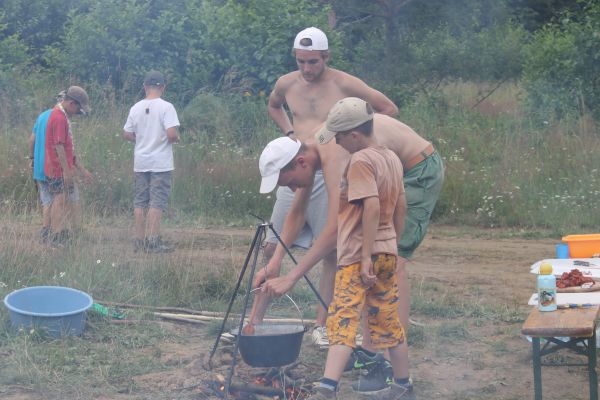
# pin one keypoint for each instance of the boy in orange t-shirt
(370, 221)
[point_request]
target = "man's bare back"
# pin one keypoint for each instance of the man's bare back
(398, 137)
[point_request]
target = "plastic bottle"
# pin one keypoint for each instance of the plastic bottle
(546, 288)
(107, 312)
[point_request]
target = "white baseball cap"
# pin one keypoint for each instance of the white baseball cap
(316, 40)
(346, 114)
(276, 155)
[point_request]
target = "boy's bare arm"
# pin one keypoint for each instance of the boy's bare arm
(67, 173)
(275, 107)
(31, 146)
(293, 223)
(380, 102)
(87, 175)
(172, 135)
(129, 136)
(370, 223)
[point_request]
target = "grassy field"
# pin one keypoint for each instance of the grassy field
(514, 185)
(503, 167)
(466, 344)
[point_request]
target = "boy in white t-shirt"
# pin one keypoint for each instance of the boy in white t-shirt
(152, 125)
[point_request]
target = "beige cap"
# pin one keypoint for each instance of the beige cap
(80, 96)
(346, 114)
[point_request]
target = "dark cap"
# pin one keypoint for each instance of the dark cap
(154, 78)
(80, 96)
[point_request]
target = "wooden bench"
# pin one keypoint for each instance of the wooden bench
(579, 324)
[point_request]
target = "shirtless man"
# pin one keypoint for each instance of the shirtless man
(423, 177)
(309, 93)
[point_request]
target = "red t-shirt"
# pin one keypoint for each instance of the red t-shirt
(57, 132)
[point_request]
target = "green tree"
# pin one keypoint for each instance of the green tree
(219, 45)
(412, 46)
(39, 24)
(536, 13)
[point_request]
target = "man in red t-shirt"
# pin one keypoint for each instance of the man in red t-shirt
(60, 161)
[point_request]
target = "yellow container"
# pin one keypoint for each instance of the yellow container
(583, 246)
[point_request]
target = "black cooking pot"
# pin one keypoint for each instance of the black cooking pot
(272, 345)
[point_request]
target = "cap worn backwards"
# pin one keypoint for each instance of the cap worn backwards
(276, 155)
(154, 78)
(80, 96)
(311, 39)
(345, 115)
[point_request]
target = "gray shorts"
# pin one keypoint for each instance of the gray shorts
(152, 189)
(316, 212)
(46, 197)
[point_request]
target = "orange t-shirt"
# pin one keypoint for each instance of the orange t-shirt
(374, 171)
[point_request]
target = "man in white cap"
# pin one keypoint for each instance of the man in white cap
(423, 178)
(309, 93)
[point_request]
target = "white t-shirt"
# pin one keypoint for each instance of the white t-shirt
(149, 120)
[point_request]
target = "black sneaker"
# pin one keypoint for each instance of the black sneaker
(156, 245)
(45, 235)
(361, 360)
(59, 240)
(377, 380)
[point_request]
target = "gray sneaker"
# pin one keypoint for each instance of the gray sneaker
(45, 235)
(59, 240)
(379, 381)
(378, 378)
(322, 393)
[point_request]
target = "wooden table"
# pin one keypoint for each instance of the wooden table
(579, 324)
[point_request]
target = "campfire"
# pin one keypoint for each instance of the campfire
(275, 383)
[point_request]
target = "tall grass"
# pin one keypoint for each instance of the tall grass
(503, 168)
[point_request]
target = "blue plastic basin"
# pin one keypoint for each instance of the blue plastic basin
(60, 311)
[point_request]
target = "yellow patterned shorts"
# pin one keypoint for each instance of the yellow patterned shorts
(381, 302)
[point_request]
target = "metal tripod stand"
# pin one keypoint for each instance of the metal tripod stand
(253, 252)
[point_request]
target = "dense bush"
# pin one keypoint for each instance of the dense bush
(225, 45)
(562, 66)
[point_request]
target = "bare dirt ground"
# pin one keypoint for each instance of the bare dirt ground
(455, 357)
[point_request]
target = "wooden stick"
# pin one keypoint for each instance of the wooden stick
(217, 318)
(179, 319)
(166, 309)
(185, 312)
(415, 323)
(248, 387)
